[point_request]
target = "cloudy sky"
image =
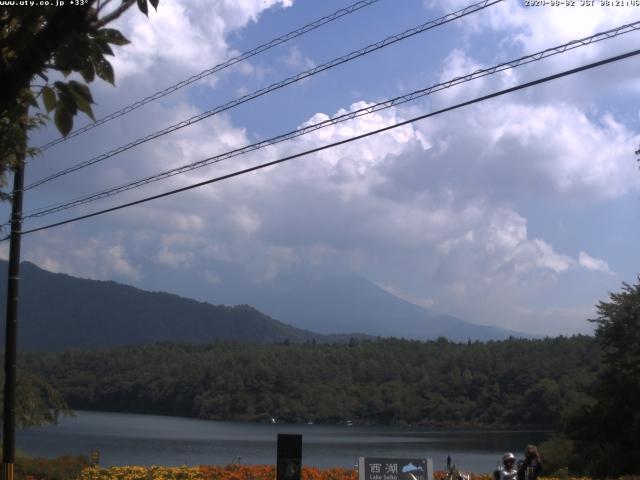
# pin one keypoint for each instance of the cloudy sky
(521, 211)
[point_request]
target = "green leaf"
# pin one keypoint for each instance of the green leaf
(49, 98)
(82, 96)
(142, 5)
(154, 4)
(76, 55)
(69, 103)
(86, 109)
(81, 91)
(103, 47)
(63, 119)
(111, 35)
(85, 67)
(65, 98)
(72, 56)
(104, 69)
(88, 72)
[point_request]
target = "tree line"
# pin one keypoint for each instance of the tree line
(512, 383)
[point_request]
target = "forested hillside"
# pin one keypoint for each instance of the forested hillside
(511, 383)
(58, 311)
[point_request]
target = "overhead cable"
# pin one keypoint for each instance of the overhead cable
(210, 71)
(341, 142)
(40, 212)
(275, 86)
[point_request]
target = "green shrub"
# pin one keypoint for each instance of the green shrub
(558, 457)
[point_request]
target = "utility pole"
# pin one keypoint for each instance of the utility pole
(11, 332)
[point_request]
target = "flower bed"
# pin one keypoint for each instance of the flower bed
(241, 472)
(230, 472)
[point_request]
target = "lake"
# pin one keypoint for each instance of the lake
(129, 439)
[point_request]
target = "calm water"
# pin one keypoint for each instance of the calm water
(127, 439)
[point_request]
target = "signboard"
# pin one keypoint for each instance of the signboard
(374, 468)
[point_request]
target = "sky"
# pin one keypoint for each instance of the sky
(520, 211)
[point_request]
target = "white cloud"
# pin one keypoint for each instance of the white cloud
(184, 34)
(517, 30)
(459, 64)
(116, 256)
(245, 219)
(527, 149)
(425, 302)
(507, 238)
(594, 264)
(212, 278)
(96, 258)
(354, 198)
(296, 60)
(174, 259)
(179, 248)
(438, 200)
(539, 27)
(557, 320)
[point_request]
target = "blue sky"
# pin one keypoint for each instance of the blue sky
(520, 212)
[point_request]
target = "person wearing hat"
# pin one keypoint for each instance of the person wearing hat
(507, 470)
(531, 467)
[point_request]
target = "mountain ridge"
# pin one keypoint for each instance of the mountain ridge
(341, 303)
(103, 313)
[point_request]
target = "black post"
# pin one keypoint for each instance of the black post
(11, 335)
(289, 466)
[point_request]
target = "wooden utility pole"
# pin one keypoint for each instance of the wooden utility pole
(11, 332)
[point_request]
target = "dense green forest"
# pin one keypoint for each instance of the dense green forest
(511, 383)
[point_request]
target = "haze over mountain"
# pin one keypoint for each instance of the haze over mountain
(60, 311)
(327, 303)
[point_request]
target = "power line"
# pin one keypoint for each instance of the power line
(341, 142)
(275, 86)
(221, 66)
(43, 211)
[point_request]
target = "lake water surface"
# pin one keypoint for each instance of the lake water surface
(128, 439)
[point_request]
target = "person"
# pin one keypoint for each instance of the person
(507, 470)
(531, 467)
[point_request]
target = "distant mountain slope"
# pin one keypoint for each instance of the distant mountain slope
(351, 304)
(59, 311)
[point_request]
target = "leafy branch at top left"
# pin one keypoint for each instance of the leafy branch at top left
(37, 41)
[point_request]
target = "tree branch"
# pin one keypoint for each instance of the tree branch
(101, 4)
(101, 22)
